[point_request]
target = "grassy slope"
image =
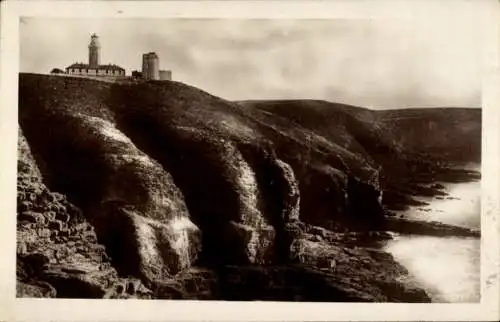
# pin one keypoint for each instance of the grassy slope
(409, 147)
(447, 134)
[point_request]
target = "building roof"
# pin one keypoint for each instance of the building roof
(94, 41)
(151, 53)
(57, 71)
(87, 66)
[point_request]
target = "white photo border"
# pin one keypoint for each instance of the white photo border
(12, 309)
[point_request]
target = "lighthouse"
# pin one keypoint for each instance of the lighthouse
(94, 52)
(94, 67)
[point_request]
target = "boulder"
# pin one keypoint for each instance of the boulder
(56, 225)
(21, 248)
(35, 262)
(31, 216)
(24, 206)
(76, 285)
(169, 289)
(62, 216)
(253, 245)
(37, 289)
(320, 231)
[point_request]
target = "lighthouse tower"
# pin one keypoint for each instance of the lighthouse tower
(94, 67)
(94, 52)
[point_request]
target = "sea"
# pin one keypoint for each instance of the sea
(447, 268)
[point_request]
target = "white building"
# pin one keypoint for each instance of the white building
(94, 67)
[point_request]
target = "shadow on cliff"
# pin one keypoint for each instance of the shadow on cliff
(235, 187)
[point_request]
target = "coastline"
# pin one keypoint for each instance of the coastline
(428, 228)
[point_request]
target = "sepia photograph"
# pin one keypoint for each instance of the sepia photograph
(253, 159)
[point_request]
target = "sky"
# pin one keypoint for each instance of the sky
(365, 62)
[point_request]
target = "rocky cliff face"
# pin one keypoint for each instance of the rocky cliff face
(58, 253)
(169, 192)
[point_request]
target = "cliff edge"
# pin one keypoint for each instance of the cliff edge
(166, 191)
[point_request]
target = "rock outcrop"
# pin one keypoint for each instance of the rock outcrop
(58, 254)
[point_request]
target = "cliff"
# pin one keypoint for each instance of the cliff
(170, 192)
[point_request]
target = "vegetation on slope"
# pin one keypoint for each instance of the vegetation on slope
(410, 148)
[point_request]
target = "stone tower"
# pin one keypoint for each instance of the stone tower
(150, 66)
(94, 52)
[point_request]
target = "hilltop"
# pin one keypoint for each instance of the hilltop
(410, 148)
(188, 195)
